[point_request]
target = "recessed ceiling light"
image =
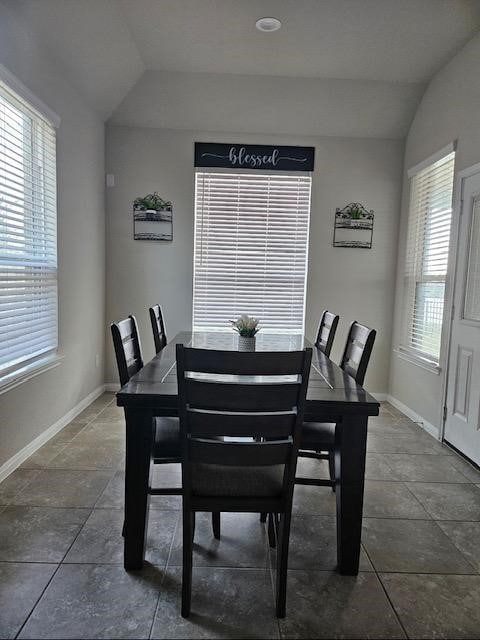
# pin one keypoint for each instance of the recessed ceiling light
(268, 24)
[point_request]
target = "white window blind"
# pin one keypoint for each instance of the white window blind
(28, 239)
(426, 261)
(251, 243)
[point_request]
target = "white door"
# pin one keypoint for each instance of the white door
(462, 425)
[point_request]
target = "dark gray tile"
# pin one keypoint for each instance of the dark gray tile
(226, 603)
(466, 537)
(468, 470)
(62, 488)
(21, 585)
(424, 468)
(391, 500)
(113, 497)
(68, 433)
(242, 543)
(38, 534)
(436, 606)
(92, 411)
(15, 482)
(96, 601)
(319, 501)
(416, 546)
(43, 456)
(378, 443)
(89, 454)
(322, 604)
(313, 544)
(376, 468)
(101, 539)
(448, 501)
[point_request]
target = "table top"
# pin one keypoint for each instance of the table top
(330, 389)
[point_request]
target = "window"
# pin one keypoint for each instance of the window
(28, 239)
(251, 243)
(426, 261)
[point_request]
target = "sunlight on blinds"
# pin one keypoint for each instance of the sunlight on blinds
(28, 237)
(251, 244)
(426, 261)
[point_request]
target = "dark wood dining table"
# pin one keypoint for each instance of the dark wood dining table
(333, 396)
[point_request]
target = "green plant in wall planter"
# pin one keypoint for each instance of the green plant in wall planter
(355, 211)
(151, 203)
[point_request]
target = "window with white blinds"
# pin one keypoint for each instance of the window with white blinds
(426, 261)
(251, 244)
(28, 239)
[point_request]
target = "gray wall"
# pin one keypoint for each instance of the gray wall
(450, 109)
(356, 283)
(32, 407)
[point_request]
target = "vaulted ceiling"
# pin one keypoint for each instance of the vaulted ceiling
(363, 64)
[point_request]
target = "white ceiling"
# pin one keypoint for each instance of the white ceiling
(111, 50)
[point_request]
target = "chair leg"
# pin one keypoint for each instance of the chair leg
(216, 524)
(282, 564)
(331, 468)
(263, 517)
(188, 526)
(272, 541)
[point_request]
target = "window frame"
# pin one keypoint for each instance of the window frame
(29, 367)
(404, 350)
(259, 172)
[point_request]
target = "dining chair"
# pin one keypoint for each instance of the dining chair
(166, 447)
(253, 470)
(158, 327)
(326, 332)
(318, 438)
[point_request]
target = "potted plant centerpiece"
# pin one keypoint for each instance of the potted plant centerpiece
(247, 328)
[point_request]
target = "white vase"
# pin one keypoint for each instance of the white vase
(246, 343)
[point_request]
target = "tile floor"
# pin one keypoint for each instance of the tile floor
(61, 573)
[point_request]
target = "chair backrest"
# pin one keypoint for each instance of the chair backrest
(127, 346)
(326, 332)
(257, 395)
(358, 350)
(158, 327)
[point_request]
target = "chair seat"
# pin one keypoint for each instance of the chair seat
(318, 436)
(225, 480)
(167, 438)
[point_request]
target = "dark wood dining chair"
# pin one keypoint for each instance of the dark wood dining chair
(166, 447)
(318, 438)
(219, 395)
(326, 332)
(158, 327)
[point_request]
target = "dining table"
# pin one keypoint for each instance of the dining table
(332, 396)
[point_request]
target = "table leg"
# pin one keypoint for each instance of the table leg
(137, 480)
(350, 450)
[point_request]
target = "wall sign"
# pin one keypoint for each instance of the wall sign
(254, 156)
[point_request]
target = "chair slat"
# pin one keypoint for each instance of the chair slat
(261, 363)
(241, 397)
(214, 424)
(240, 454)
(326, 332)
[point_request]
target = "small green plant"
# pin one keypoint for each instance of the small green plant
(355, 212)
(151, 201)
(246, 326)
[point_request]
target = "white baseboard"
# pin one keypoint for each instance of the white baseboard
(415, 417)
(112, 387)
(15, 461)
(381, 397)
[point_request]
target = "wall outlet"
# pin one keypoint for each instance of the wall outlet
(97, 360)
(110, 180)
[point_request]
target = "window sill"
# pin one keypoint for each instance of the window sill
(418, 361)
(29, 371)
